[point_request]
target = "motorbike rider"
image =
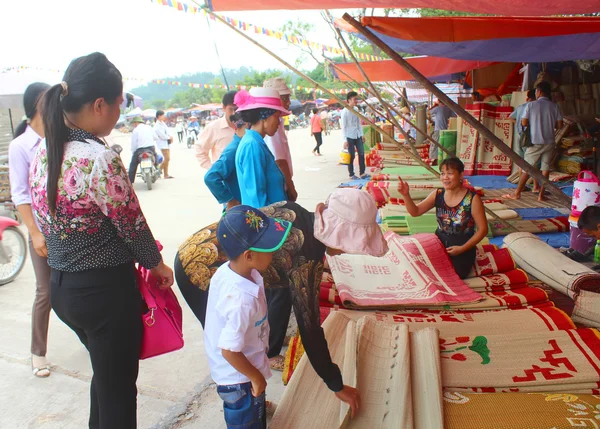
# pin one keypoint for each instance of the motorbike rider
(193, 126)
(142, 140)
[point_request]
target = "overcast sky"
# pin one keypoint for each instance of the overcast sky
(143, 39)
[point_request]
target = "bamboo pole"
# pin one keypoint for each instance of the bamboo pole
(419, 130)
(322, 88)
(483, 130)
(343, 103)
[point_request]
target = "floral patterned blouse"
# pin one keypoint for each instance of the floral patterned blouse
(98, 221)
(458, 219)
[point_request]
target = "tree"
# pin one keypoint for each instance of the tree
(257, 78)
(300, 29)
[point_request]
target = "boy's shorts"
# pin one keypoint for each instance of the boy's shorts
(241, 409)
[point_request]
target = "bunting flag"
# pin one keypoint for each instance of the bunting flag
(178, 83)
(257, 29)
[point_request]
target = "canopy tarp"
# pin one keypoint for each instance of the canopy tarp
(387, 71)
(505, 39)
(492, 7)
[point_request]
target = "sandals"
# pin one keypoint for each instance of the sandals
(277, 363)
(42, 372)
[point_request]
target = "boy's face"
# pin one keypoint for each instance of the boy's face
(258, 260)
(595, 234)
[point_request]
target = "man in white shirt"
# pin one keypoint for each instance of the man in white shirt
(278, 144)
(142, 139)
(236, 334)
(353, 137)
(163, 140)
(217, 134)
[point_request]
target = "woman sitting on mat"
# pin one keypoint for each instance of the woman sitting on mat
(458, 209)
(344, 224)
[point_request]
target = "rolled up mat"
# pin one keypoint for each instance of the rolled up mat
(550, 266)
(501, 279)
(587, 309)
(426, 379)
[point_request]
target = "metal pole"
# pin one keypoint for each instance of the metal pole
(483, 130)
(217, 52)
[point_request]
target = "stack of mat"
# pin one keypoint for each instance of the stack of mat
(416, 271)
(426, 280)
(398, 374)
(529, 355)
(559, 272)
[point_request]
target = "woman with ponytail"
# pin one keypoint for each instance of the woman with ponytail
(21, 153)
(95, 230)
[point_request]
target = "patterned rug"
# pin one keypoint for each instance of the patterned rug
(521, 361)
(467, 141)
(558, 224)
(416, 271)
(527, 410)
(527, 200)
(490, 161)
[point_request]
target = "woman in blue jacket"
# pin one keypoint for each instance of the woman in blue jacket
(260, 179)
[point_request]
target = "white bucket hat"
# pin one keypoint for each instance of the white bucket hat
(278, 84)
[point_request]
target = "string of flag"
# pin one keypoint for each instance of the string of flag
(173, 82)
(257, 29)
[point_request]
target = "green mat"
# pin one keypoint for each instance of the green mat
(448, 140)
(409, 169)
(425, 223)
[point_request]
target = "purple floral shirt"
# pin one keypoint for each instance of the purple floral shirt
(98, 222)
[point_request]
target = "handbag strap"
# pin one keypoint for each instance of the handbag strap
(144, 286)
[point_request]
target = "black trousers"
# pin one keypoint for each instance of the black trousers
(319, 139)
(180, 136)
(103, 307)
(462, 263)
(133, 165)
(279, 303)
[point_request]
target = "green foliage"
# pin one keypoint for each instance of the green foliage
(257, 78)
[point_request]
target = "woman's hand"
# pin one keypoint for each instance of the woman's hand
(350, 396)
(164, 275)
(39, 244)
(455, 250)
(403, 188)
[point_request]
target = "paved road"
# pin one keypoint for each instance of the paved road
(174, 390)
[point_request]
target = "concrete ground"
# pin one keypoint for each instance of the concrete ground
(175, 390)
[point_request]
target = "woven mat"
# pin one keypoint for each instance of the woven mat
(497, 280)
(497, 261)
(521, 410)
(558, 224)
(521, 360)
(527, 200)
(551, 267)
(416, 271)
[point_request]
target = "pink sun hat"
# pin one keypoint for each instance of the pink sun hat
(347, 221)
(259, 98)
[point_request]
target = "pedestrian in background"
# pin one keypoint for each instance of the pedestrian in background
(216, 135)
(163, 141)
(352, 133)
(21, 153)
(95, 232)
(316, 131)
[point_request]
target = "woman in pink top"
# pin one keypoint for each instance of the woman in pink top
(316, 130)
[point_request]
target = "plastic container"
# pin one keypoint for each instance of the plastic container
(586, 192)
(597, 252)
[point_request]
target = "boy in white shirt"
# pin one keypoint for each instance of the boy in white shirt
(236, 334)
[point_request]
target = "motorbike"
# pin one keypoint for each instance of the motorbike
(298, 123)
(192, 134)
(148, 170)
(334, 123)
(13, 250)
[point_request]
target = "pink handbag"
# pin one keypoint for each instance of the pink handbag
(163, 322)
(586, 192)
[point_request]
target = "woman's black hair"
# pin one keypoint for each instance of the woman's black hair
(252, 116)
(315, 111)
(87, 79)
(453, 163)
(31, 97)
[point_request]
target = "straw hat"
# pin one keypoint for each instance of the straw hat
(259, 98)
(347, 221)
(278, 83)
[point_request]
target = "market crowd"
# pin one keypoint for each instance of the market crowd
(241, 276)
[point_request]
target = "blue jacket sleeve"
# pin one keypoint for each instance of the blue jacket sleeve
(251, 167)
(215, 178)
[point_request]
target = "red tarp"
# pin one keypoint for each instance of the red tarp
(385, 71)
(492, 7)
(443, 29)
